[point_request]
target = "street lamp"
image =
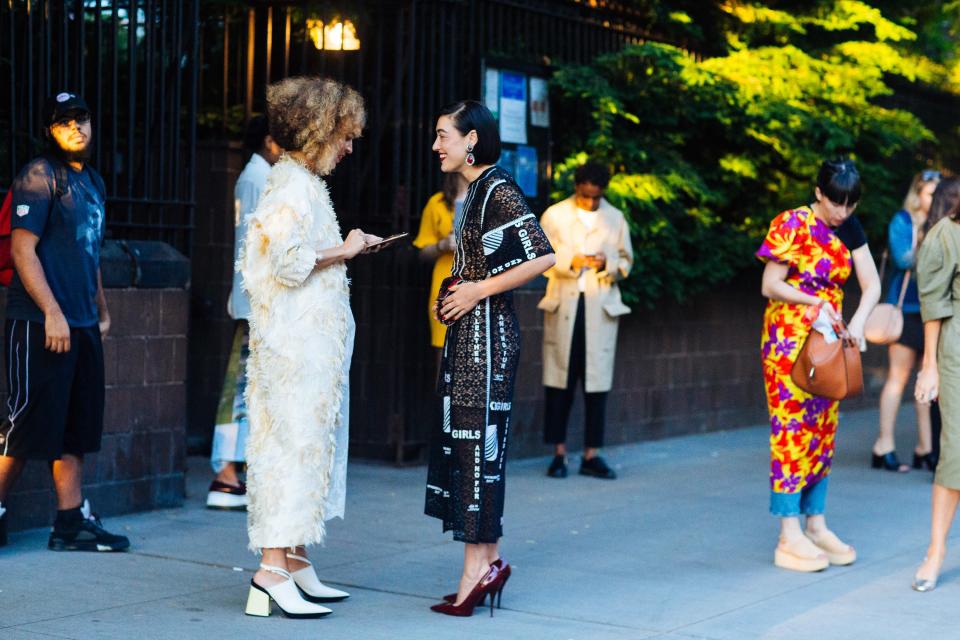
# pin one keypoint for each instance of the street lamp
(334, 35)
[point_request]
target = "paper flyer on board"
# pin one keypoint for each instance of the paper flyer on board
(491, 91)
(525, 170)
(508, 161)
(539, 103)
(513, 107)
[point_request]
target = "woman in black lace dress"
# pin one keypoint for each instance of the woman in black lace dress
(500, 246)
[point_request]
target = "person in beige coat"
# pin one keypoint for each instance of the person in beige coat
(582, 309)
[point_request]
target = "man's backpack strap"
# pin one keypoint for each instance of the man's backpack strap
(60, 179)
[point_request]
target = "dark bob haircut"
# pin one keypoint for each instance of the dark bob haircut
(839, 181)
(592, 172)
(257, 130)
(470, 115)
(946, 203)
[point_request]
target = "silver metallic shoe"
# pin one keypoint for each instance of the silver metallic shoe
(924, 585)
(921, 585)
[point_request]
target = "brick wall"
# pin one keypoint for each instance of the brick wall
(141, 464)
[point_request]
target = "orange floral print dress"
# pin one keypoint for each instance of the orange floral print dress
(802, 426)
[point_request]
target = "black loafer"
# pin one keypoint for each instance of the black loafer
(598, 468)
(558, 468)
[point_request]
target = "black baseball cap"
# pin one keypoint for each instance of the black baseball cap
(64, 105)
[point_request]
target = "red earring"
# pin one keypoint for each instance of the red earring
(470, 160)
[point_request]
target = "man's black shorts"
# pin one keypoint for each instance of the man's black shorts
(55, 404)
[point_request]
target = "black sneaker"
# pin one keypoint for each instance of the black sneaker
(81, 530)
(3, 526)
(558, 468)
(597, 467)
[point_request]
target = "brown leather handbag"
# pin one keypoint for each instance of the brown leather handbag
(832, 370)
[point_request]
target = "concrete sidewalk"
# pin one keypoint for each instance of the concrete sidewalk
(680, 547)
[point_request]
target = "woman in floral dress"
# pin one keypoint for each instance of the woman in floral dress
(809, 254)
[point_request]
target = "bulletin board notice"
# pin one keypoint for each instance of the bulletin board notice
(519, 98)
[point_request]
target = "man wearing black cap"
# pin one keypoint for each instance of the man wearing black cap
(55, 319)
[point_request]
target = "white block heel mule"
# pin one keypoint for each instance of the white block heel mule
(286, 596)
(310, 586)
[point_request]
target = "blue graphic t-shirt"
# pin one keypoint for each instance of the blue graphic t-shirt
(71, 231)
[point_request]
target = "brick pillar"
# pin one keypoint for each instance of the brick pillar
(141, 464)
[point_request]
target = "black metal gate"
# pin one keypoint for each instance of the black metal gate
(135, 62)
(158, 74)
(414, 56)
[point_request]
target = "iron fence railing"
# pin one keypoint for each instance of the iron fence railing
(414, 56)
(158, 74)
(135, 62)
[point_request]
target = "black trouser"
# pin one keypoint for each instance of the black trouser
(559, 401)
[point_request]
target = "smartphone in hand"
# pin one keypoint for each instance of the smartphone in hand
(383, 243)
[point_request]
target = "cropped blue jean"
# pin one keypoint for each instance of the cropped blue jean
(809, 501)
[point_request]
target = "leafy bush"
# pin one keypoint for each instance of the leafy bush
(706, 151)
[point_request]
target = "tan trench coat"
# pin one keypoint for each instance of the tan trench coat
(604, 307)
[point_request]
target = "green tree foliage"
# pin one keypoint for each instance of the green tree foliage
(707, 149)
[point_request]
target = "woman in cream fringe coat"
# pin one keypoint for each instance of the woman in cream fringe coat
(301, 339)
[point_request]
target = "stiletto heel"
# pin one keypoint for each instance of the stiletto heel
(310, 586)
(486, 586)
(258, 602)
(286, 596)
(503, 585)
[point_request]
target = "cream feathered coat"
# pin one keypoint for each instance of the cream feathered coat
(301, 339)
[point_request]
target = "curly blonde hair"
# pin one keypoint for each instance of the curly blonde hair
(314, 115)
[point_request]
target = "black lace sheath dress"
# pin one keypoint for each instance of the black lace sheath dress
(465, 480)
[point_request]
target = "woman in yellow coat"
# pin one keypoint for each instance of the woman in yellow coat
(437, 243)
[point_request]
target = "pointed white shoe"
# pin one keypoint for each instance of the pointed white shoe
(285, 595)
(311, 587)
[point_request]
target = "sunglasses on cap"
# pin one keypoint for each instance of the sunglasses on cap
(930, 175)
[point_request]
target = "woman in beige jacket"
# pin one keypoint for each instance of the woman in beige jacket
(582, 309)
